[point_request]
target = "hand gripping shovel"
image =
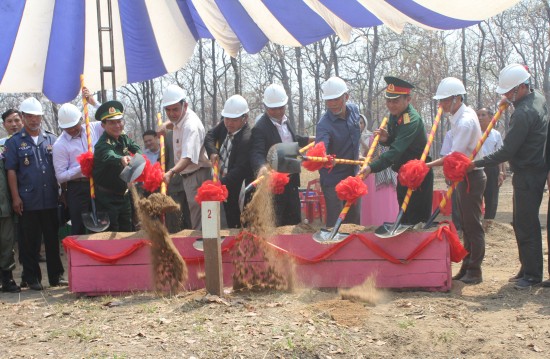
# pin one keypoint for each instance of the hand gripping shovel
(388, 230)
(93, 221)
(332, 236)
(450, 190)
(276, 158)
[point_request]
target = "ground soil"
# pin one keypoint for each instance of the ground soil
(489, 320)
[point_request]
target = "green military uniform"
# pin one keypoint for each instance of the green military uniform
(406, 139)
(112, 192)
(7, 232)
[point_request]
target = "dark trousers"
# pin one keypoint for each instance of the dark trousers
(287, 206)
(37, 225)
(455, 214)
(528, 190)
(491, 191)
(419, 208)
(78, 201)
(118, 208)
(335, 205)
(179, 220)
(469, 198)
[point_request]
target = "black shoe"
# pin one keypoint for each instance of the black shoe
(471, 279)
(42, 259)
(61, 282)
(515, 278)
(10, 287)
(546, 283)
(23, 284)
(526, 284)
(36, 286)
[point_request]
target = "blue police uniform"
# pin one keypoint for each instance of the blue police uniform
(38, 189)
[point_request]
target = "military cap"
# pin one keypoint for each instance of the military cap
(397, 87)
(110, 110)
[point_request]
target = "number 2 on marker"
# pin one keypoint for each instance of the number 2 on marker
(209, 213)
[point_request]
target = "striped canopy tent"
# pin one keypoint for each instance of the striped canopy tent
(46, 44)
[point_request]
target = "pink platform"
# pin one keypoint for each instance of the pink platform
(347, 267)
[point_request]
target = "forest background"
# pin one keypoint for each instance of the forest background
(475, 55)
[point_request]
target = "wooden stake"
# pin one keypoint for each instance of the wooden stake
(210, 212)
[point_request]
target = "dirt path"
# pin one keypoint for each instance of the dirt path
(490, 320)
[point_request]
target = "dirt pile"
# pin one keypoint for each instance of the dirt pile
(169, 269)
(256, 265)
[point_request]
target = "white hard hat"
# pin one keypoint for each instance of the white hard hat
(68, 116)
(334, 88)
(449, 86)
(234, 107)
(511, 76)
(31, 106)
(275, 96)
(173, 94)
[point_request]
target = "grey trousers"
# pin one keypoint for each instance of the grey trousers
(469, 198)
(191, 184)
(335, 205)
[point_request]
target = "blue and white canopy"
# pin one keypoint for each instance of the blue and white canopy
(46, 44)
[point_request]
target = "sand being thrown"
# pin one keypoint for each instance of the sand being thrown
(169, 268)
(257, 266)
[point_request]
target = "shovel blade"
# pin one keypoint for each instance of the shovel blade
(386, 230)
(325, 234)
(283, 157)
(96, 223)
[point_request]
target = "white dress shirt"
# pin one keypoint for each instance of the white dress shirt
(492, 143)
(466, 131)
(282, 128)
(66, 149)
(189, 136)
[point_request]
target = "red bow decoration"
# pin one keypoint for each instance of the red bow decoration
(211, 191)
(318, 150)
(412, 173)
(278, 181)
(455, 166)
(153, 178)
(86, 161)
(351, 188)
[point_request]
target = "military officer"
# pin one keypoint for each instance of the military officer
(111, 154)
(34, 193)
(406, 138)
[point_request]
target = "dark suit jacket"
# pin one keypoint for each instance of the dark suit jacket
(239, 168)
(265, 135)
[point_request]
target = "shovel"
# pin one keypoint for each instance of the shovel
(388, 230)
(480, 143)
(134, 169)
(332, 235)
(287, 158)
(93, 221)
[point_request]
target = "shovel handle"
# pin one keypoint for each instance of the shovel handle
(253, 184)
(306, 147)
(88, 132)
(162, 156)
(431, 136)
(341, 161)
(451, 188)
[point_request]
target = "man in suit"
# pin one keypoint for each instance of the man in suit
(272, 128)
(229, 144)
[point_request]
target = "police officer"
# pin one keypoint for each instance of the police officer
(34, 193)
(111, 154)
(406, 138)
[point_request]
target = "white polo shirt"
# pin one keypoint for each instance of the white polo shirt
(466, 131)
(189, 136)
(492, 143)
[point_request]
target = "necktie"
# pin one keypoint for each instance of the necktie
(225, 152)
